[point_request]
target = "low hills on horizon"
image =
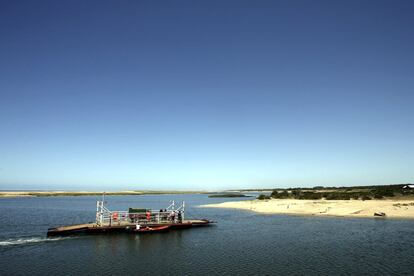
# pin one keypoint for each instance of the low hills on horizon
(389, 189)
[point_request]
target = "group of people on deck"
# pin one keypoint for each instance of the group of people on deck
(173, 216)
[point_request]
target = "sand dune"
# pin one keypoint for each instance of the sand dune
(343, 208)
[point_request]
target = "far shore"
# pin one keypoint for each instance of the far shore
(393, 208)
(88, 193)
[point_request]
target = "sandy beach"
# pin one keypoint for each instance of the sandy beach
(343, 208)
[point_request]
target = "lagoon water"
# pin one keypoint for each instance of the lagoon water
(242, 242)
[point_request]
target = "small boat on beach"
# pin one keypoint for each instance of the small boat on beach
(135, 220)
(154, 229)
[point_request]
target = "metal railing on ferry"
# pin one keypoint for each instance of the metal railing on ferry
(163, 216)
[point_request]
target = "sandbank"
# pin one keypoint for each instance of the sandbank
(342, 208)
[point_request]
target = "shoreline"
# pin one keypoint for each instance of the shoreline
(18, 194)
(393, 208)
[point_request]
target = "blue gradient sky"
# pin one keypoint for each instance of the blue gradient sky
(205, 94)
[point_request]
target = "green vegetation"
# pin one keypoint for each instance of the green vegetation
(262, 197)
(282, 195)
(365, 197)
(343, 193)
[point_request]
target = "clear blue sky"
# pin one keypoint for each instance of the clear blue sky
(205, 94)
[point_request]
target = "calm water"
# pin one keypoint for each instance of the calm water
(241, 243)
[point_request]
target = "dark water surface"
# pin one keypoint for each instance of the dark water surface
(241, 243)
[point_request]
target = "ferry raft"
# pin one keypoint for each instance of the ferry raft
(138, 221)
